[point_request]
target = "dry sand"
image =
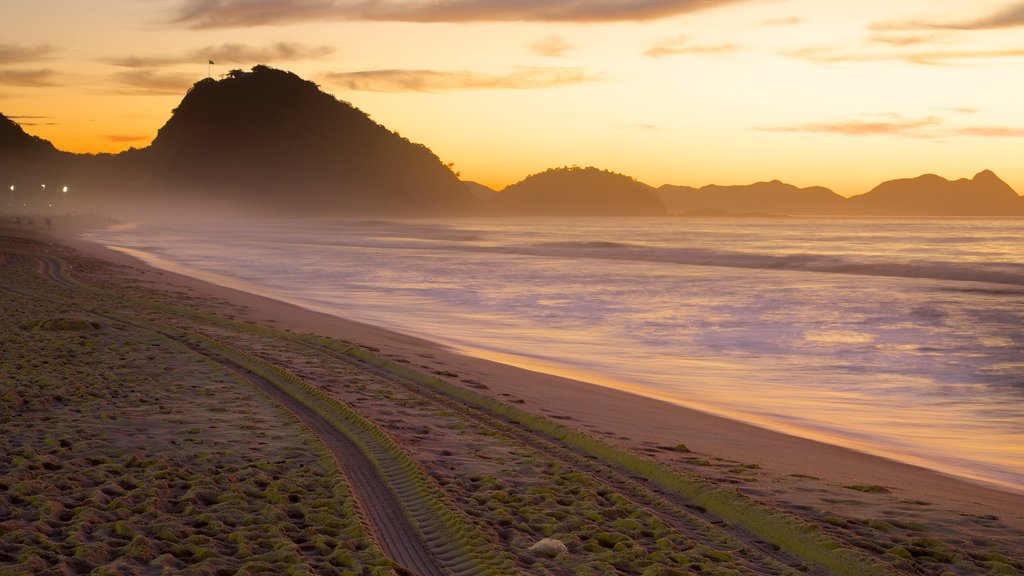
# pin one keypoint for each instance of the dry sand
(793, 472)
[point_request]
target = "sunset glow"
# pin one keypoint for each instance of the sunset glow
(679, 92)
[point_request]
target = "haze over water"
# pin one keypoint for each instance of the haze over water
(903, 338)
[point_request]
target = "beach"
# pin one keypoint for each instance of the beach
(902, 516)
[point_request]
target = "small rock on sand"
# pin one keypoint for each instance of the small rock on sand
(549, 547)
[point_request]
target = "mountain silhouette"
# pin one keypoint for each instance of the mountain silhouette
(577, 191)
(25, 160)
(263, 141)
(480, 191)
(268, 141)
(773, 197)
(931, 195)
(270, 137)
(15, 141)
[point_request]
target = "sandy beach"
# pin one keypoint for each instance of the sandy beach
(621, 416)
(877, 504)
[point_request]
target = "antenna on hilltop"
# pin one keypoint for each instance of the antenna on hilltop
(209, 63)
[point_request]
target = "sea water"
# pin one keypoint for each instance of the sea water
(903, 338)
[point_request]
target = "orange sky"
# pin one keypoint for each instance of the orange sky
(690, 92)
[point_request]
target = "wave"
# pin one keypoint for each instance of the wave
(990, 272)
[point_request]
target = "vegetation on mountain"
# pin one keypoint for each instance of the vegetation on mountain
(575, 191)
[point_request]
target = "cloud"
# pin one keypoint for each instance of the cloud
(903, 39)
(992, 131)
(441, 81)
(230, 54)
(146, 82)
(927, 127)
(683, 46)
(17, 54)
(925, 57)
(127, 138)
(1010, 16)
(27, 120)
(902, 127)
(552, 47)
(233, 13)
(28, 78)
(786, 21)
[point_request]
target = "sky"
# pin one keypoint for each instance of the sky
(691, 92)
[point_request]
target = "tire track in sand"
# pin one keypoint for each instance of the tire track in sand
(380, 508)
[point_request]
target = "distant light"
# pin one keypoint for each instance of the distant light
(12, 187)
(44, 186)
(51, 204)
(65, 190)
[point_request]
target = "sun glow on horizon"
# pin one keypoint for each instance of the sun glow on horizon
(730, 94)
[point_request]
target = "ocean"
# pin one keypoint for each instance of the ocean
(897, 337)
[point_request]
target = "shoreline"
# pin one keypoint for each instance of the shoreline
(608, 413)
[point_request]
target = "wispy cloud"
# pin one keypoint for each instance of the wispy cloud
(551, 46)
(925, 57)
(29, 120)
(28, 78)
(1010, 16)
(992, 131)
(149, 82)
(127, 138)
(932, 127)
(233, 13)
(18, 54)
(898, 127)
(903, 39)
(785, 21)
(230, 54)
(442, 81)
(682, 45)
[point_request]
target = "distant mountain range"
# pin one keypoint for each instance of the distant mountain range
(927, 195)
(761, 198)
(931, 195)
(268, 141)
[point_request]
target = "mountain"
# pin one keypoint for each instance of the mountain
(931, 195)
(773, 197)
(14, 140)
(271, 138)
(25, 160)
(577, 191)
(480, 191)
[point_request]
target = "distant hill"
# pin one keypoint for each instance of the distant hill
(931, 195)
(480, 191)
(272, 138)
(773, 197)
(577, 192)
